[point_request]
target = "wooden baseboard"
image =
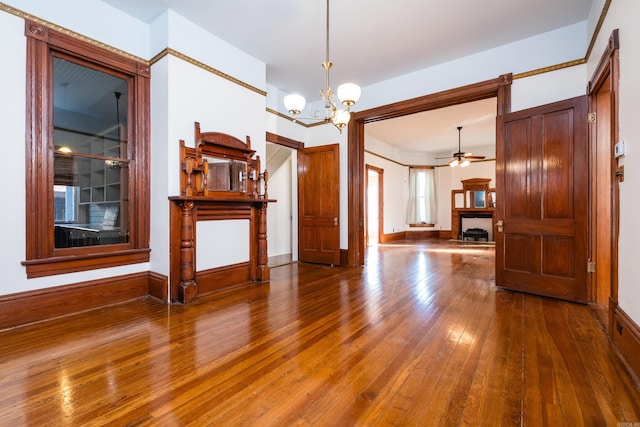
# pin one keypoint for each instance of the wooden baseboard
(44, 304)
(222, 277)
(392, 237)
(414, 235)
(422, 234)
(159, 286)
(344, 257)
(444, 234)
(626, 336)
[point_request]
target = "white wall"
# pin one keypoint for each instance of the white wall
(279, 214)
(552, 48)
(623, 14)
(396, 191)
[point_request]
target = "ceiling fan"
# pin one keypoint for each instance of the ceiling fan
(460, 158)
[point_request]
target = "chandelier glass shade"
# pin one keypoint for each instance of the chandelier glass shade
(348, 94)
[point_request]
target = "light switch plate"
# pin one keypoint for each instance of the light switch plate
(619, 149)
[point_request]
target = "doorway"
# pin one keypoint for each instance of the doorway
(375, 203)
(499, 88)
(282, 225)
(605, 173)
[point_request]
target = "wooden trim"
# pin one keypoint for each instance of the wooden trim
(607, 71)
(604, 65)
(444, 234)
(463, 94)
(413, 235)
(355, 190)
(626, 336)
(392, 237)
(344, 254)
(75, 263)
(380, 173)
(499, 88)
(422, 234)
(43, 304)
(284, 141)
(42, 258)
(184, 214)
(159, 286)
(223, 277)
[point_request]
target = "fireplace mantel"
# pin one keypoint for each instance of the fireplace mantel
(220, 179)
(475, 200)
(458, 214)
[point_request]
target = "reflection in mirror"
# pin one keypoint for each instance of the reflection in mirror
(226, 174)
(91, 166)
(479, 199)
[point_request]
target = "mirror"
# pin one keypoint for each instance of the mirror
(226, 174)
(479, 199)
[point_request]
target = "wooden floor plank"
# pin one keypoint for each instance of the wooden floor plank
(419, 336)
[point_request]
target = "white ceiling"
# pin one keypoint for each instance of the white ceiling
(436, 130)
(370, 41)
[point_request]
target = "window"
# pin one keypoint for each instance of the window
(421, 209)
(88, 128)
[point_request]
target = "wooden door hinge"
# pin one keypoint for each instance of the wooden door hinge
(591, 267)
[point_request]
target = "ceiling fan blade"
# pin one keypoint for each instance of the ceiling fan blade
(471, 156)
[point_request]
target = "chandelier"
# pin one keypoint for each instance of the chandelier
(348, 94)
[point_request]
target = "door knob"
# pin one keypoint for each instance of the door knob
(499, 224)
(335, 220)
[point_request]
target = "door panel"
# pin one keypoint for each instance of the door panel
(319, 204)
(542, 189)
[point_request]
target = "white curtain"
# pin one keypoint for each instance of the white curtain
(422, 197)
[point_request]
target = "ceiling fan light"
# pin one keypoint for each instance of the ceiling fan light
(453, 163)
(465, 163)
(294, 103)
(349, 93)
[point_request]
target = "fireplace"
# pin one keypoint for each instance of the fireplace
(463, 219)
(473, 208)
(476, 221)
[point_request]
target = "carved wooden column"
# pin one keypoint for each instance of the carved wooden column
(262, 270)
(188, 289)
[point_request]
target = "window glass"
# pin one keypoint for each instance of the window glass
(91, 163)
(422, 203)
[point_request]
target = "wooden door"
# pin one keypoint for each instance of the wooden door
(319, 204)
(542, 200)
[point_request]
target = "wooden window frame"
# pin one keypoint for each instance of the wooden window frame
(42, 258)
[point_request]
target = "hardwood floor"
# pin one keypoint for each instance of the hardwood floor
(419, 336)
